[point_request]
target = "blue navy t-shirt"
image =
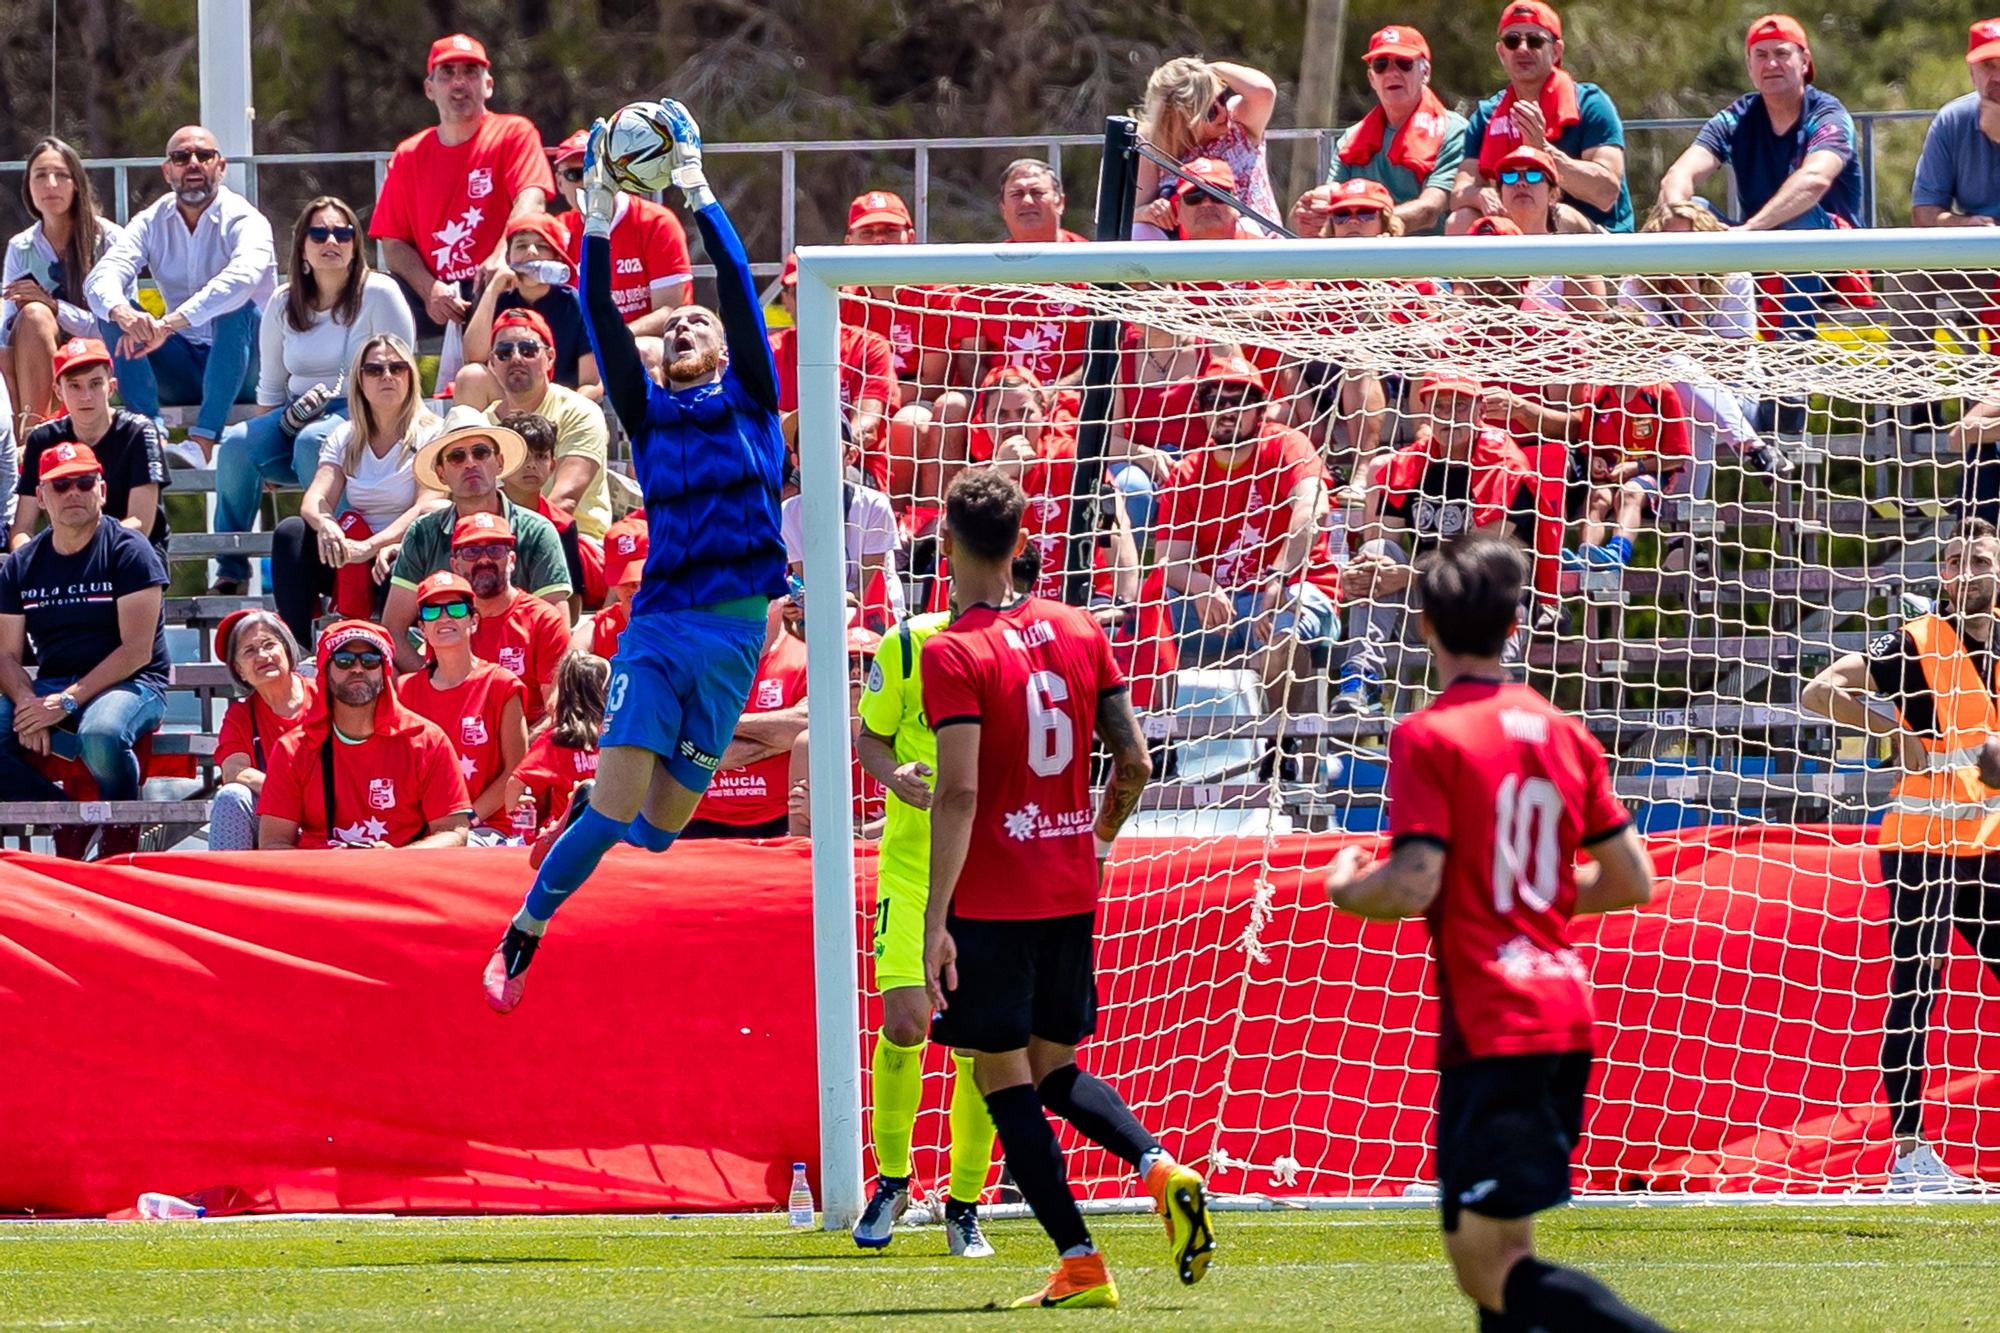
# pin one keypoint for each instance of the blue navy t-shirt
(564, 312)
(1960, 166)
(71, 601)
(1741, 137)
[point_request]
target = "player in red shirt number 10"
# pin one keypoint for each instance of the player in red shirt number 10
(1017, 689)
(1492, 792)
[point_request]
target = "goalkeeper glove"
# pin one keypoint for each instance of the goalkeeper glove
(599, 197)
(686, 137)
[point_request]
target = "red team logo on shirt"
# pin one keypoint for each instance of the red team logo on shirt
(770, 695)
(382, 793)
(515, 660)
(472, 730)
(479, 182)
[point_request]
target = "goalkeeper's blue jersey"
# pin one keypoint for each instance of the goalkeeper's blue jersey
(711, 459)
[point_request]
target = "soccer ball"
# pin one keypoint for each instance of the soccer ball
(639, 148)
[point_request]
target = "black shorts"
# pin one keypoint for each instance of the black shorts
(1507, 1125)
(1020, 979)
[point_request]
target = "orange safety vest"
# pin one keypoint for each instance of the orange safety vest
(1946, 808)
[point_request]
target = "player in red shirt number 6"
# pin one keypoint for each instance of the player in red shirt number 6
(1016, 689)
(1492, 791)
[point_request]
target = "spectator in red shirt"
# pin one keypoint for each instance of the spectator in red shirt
(1634, 445)
(477, 704)
(362, 770)
(868, 388)
(748, 797)
(925, 331)
(524, 634)
(445, 203)
(625, 547)
(1199, 213)
(563, 758)
(651, 272)
(1242, 541)
(263, 658)
(1031, 203)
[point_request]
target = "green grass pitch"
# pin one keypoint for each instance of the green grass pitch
(1922, 1267)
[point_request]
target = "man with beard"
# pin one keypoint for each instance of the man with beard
(519, 633)
(1242, 540)
(1930, 690)
(209, 251)
(522, 363)
(466, 461)
(710, 458)
(362, 769)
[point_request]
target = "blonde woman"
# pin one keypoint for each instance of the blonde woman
(363, 496)
(1719, 305)
(1204, 108)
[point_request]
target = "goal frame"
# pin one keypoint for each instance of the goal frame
(824, 270)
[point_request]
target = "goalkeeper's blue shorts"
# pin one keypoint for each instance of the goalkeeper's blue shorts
(678, 687)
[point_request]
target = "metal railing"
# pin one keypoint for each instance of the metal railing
(922, 154)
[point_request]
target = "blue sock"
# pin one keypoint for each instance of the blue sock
(644, 833)
(569, 863)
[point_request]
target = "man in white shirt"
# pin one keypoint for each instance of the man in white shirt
(210, 253)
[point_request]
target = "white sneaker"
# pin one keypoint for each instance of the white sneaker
(1921, 1171)
(187, 453)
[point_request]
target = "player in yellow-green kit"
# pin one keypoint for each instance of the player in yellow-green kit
(898, 749)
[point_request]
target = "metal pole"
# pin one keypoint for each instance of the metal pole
(1116, 181)
(836, 980)
(226, 107)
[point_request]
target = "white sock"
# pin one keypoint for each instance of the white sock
(1079, 1251)
(1151, 1156)
(529, 925)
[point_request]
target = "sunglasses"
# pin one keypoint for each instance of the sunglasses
(574, 175)
(1217, 401)
(482, 551)
(1218, 109)
(1381, 64)
(365, 660)
(1340, 215)
(527, 349)
(180, 157)
(478, 453)
(1533, 176)
(382, 370)
(84, 482)
(321, 235)
(433, 610)
(1534, 41)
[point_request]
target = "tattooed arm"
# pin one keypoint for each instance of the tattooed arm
(1131, 765)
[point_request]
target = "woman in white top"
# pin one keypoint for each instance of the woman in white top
(330, 304)
(1719, 305)
(1204, 108)
(41, 285)
(363, 496)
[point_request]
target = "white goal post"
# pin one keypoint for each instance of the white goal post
(824, 270)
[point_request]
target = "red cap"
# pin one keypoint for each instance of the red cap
(877, 207)
(68, 459)
(444, 586)
(520, 317)
(1231, 370)
(480, 530)
(1398, 41)
(625, 547)
(1535, 12)
(790, 277)
(1355, 194)
(543, 226)
(1984, 43)
(80, 352)
(1205, 171)
(1448, 381)
(1494, 227)
(457, 47)
(862, 641)
(574, 146)
(341, 633)
(1523, 155)
(1780, 28)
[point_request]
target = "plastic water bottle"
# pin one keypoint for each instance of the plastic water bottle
(167, 1208)
(802, 1199)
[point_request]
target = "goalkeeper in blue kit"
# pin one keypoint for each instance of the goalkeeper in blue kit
(710, 459)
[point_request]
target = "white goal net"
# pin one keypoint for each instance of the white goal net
(1734, 460)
